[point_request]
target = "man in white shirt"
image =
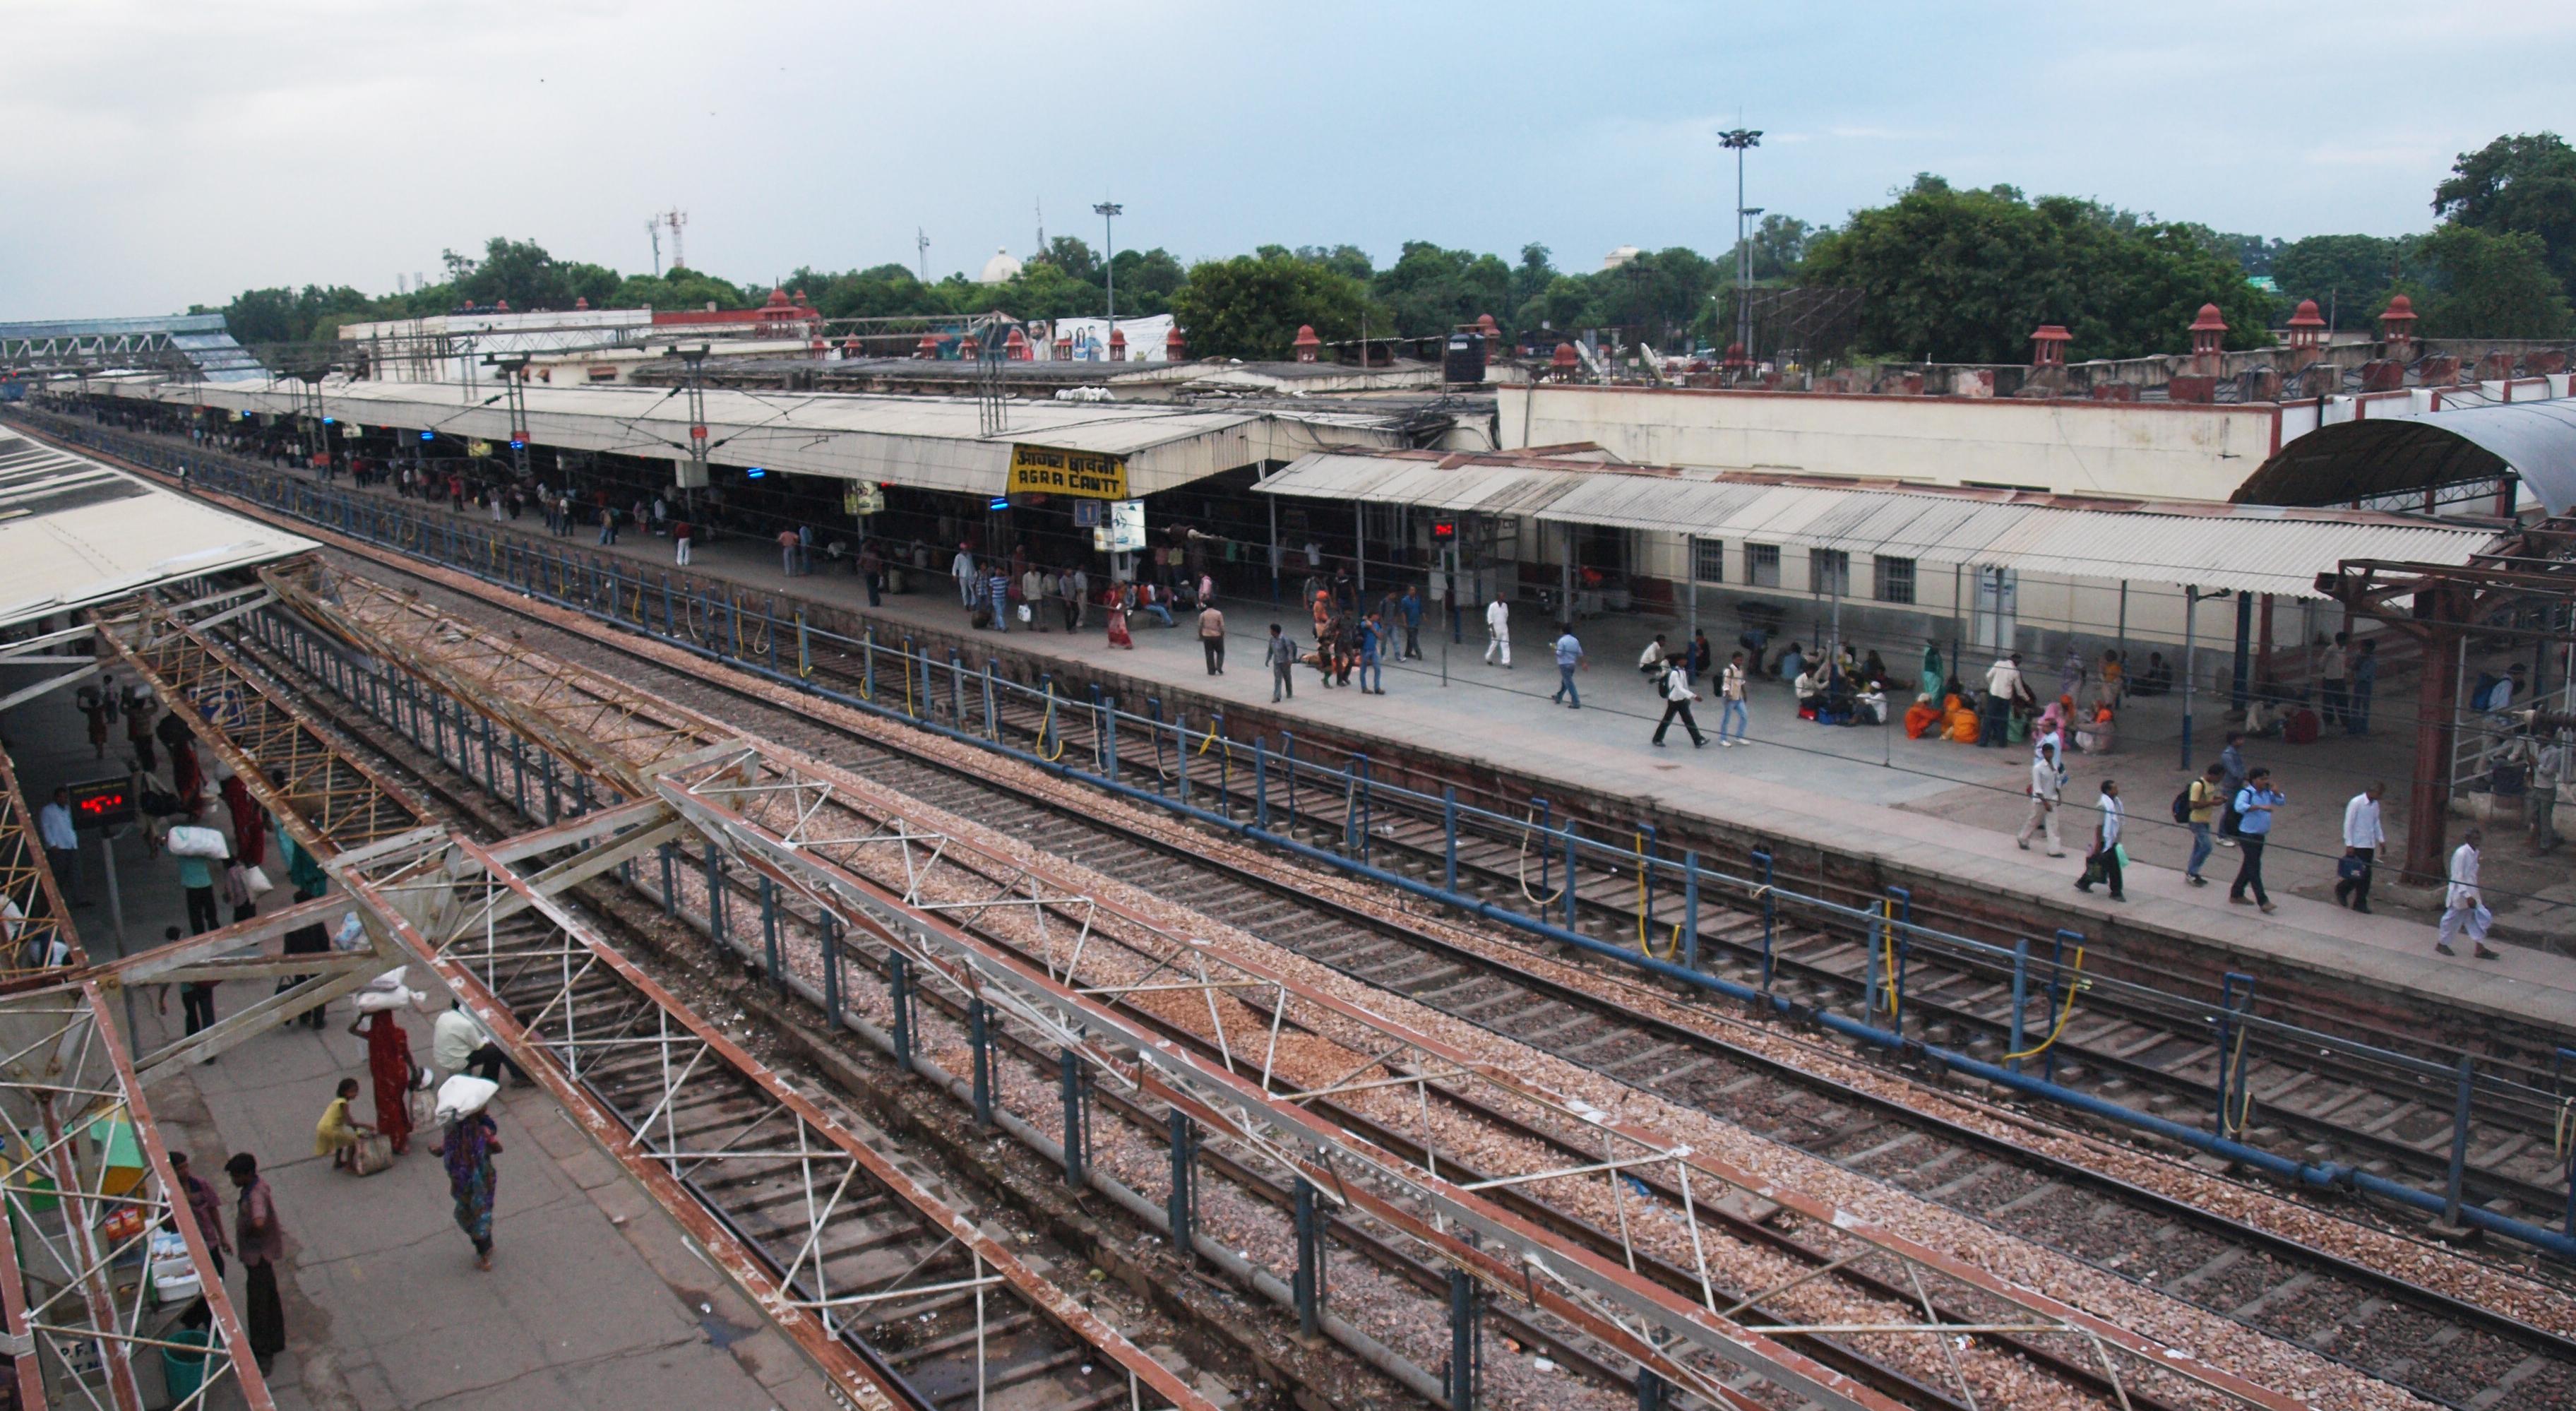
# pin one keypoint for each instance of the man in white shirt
(2362, 837)
(2003, 683)
(457, 1044)
(1650, 662)
(962, 568)
(1498, 630)
(2047, 786)
(1730, 691)
(2105, 857)
(2548, 770)
(62, 844)
(2462, 906)
(1677, 698)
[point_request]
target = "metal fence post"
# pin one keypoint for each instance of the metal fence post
(831, 928)
(1770, 915)
(1449, 838)
(1690, 911)
(1069, 1080)
(715, 896)
(1261, 783)
(769, 929)
(1464, 1326)
(2021, 1001)
(979, 1039)
(2459, 1143)
(1569, 874)
(1183, 1205)
(899, 991)
(1309, 1285)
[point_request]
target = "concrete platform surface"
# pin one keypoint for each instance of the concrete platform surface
(1922, 804)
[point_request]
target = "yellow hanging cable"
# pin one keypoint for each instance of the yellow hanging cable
(1210, 740)
(2066, 1011)
(804, 650)
(2564, 1127)
(1043, 722)
(1887, 950)
(2235, 1123)
(1529, 825)
(1645, 942)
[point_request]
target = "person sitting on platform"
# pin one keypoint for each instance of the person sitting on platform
(1810, 691)
(2094, 736)
(2156, 679)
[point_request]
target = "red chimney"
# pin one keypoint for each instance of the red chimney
(580, 301)
(500, 306)
(968, 348)
(1063, 347)
(2397, 326)
(928, 347)
(850, 348)
(2307, 326)
(1117, 344)
(1308, 345)
(1563, 365)
(1016, 347)
(1176, 349)
(2048, 345)
(2207, 332)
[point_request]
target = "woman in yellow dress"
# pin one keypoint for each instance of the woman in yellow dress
(336, 1135)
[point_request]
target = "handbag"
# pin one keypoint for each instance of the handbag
(374, 1152)
(2350, 868)
(255, 882)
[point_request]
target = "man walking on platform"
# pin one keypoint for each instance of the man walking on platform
(1498, 630)
(1569, 658)
(962, 568)
(62, 844)
(2254, 805)
(2462, 906)
(1281, 656)
(2105, 857)
(1212, 639)
(2362, 837)
(1410, 607)
(1677, 698)
(1730, 711)
(2047, 788)
(2003, 683)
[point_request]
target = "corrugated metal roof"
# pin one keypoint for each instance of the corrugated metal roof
(933, 443)
(74, 532)
(2249, 548)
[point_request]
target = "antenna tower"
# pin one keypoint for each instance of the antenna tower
(653, 232)
(921, 242)
(676, 218)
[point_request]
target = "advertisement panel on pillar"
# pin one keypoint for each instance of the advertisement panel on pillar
(1124, 533)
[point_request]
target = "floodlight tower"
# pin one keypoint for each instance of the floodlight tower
(1739, 141)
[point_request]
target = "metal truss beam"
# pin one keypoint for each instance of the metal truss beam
(851, 851)
(71, 1280)
(446, 902)
(30, 898)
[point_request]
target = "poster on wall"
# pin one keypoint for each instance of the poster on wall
(1125, 531)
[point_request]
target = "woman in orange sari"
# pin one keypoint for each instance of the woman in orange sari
(1116, 602)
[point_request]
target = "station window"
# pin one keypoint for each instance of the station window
(1895, 579)
(1762, 565)
(1708, 560)
(1828, 572)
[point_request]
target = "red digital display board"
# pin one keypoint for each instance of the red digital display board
(102, 803)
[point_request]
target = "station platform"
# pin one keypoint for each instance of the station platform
(595, 1297)
(1924, 805)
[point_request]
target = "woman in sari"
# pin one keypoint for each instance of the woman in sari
(467, 1149)
(1115, 600)
(1932, 680)
(250, 831)
(389, 1064)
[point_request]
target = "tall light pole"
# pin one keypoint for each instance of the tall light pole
(1740, 140)
(1109, 211)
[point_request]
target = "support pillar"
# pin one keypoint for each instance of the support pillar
(1308, 1286)
(979, 1038)
(2428, 800)
(1184, 1203)
(1464, 1324)
(1069, 1080)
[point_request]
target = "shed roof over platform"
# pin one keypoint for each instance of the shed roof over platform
(2400, 454)
(74, 532)
(2248, 548)
(934, 443)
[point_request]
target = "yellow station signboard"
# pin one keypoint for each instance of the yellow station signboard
(1046, 470)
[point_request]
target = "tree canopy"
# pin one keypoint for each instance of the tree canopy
(1250, 306)
(1964, 276)
(2524, 184)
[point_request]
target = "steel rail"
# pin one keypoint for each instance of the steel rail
(701, 790)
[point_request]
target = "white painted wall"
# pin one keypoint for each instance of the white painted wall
(2163, 451)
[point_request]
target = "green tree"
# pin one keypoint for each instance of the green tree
(2526, 184)
(1530, 278)
(673, 289)
(1779, 246)
(521, 272)
(1964, 276)
(2351, 274)
(1147, 280)
(1433, 290)
(2254, 253)
(2487, 284)
(1343, 259)
(1251, 305)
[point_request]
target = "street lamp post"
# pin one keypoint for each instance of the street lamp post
(1739, 141)
(1109, 211)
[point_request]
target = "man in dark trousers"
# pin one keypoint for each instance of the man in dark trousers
(1677, 698)
(261, 1241)
(1212, 639)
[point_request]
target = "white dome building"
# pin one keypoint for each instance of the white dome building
(1001, 269)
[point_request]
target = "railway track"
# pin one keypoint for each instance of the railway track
(2382, 1106)
(2447, 1351)
(1968, 1309)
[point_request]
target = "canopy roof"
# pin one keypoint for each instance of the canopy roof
(74, 532)
(2391, 455)
(935, 443)
(2249, 548)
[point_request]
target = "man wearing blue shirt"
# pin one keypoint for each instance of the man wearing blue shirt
(2254, 805)
(1411, 608)
(1374, 640)
(1569, 655)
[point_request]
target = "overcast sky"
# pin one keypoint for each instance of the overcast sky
(157, 154)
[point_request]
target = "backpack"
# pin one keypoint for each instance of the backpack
(2182, 805)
